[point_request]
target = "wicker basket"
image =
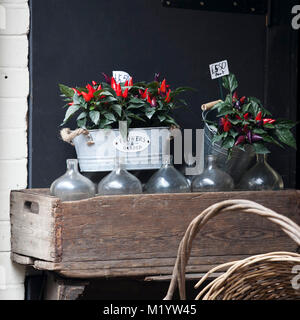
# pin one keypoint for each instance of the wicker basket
(262, 277)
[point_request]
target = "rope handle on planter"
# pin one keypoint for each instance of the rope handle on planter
(68, 135)
(244, 206)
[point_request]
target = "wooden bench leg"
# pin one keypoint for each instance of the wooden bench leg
(63, 289)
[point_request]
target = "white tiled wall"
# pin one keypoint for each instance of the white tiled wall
(14, 89)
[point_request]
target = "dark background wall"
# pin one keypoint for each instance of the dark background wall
(73, 41)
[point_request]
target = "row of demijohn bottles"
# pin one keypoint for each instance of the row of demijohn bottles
(74, 186)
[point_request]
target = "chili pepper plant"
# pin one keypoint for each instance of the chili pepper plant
(244, 120)
(101, 105)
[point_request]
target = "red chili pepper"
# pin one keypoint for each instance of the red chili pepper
(243, 100)
(235, 97)
(240, 140)
(149, 99)
(76, 91)
(119, 90)
(113, 83)
(222, 122)
(153, 102)
(269, 121)
(126, 83)
(246, 116)
(130, 83)
(246, 129)
(144, 94)
(125, 93)
(71, 103)
(259, 116)
(238, 117)
(87, 97)
(99, 87)
(227, 126)
(94, 83)
(90, 95)
(168, 98)
(90, 88)
(163, 87)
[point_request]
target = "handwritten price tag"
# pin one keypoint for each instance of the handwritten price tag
(219, 69)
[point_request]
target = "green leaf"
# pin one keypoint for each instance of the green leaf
(255, 101)
(102, 92)
(118, 109)
(226, 111)
(255, 106)
(136, 106)
(110, 116)
(135, 116)
(217, 138)
(71, 110)
(259, 131)
(81, 123)
(171, 121)
(228, 100)
(109, 99)
(161, 118)
(285, 124)
(95, 116)
(228, 143)
(269, 126)
(236, 121)
(285, 136)
(66, 91)
(230, 83)
(270, 139)
(82, 115)
(150, 112)
(234, 134)
(183, 102)
(153, 85)
(104, 123)
(260, 148)
(247, 107)
(180, 90)
(136, 101)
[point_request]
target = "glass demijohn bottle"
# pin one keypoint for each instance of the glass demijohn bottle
(119, 182)
(72, 185)
(167, 179)
(261, 177)
(213, 179)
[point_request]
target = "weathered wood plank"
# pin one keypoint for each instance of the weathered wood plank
(188, 277)
(151, 226)
(108, 267)
(34, 225)
(27, 261)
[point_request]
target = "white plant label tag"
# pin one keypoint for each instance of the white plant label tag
(121, 76)
(219, 69)
(136, 141)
